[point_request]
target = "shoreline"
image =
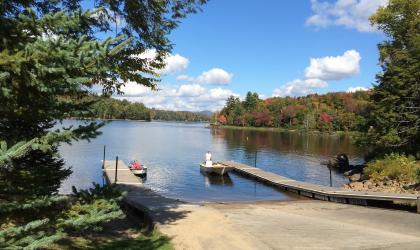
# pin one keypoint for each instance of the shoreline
(134, 120)
(249, 128)
(295, 130)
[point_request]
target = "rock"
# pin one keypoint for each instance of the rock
(357, 185)
(367, 184)
(355, 177)
(387, 182)
(364, 177)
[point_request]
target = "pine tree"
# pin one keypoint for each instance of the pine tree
(51, 57)
(394, 124)
(52, 54)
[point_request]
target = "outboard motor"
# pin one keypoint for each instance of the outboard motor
(343, 162)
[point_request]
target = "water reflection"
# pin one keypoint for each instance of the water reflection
(142, 179)
(215, 179)
(294, 142)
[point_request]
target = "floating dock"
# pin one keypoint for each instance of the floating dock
(339, 195)
(119, 173)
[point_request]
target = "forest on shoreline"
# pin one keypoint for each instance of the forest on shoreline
(108, 108)
(338, 111)
(330, 112)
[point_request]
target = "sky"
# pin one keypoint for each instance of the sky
(271, 47)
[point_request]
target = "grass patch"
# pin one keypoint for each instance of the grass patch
(122, 234)
(153, 241)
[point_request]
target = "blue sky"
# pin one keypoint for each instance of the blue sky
(266, 47)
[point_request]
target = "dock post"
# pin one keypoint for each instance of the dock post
(330, 177)
(255, 159)
(116, 169)
(418, 205)
(103, 162)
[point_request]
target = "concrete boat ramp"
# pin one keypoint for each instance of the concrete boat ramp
(299, 224)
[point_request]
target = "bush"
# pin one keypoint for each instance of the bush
(37, 222)
(418, 175)
(394, 166)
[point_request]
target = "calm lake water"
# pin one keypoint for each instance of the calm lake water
(173, 151)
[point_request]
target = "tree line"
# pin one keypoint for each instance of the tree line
(328, 112)
(110, 108)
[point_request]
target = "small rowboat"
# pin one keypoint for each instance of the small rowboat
(217, 168)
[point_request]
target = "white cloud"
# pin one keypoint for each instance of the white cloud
(348, 13)
(299, 87)
(319, 71)
(134, 89)
(262, 96)
(215, 76)
(221, 94)
(355, 89)
(191, 97)
(212, 76)
(334, 68)
(174, 63)
(191, 90)
(185, 78)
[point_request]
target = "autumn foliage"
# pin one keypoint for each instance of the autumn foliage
(328, 112)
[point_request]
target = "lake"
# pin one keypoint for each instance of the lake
(173, 151)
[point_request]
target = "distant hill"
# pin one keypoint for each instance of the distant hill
(207, 113)
(188, 116)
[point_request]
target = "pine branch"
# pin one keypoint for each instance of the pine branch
(34, 204)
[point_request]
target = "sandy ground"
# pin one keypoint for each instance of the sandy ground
(295, 224)
(302, 224)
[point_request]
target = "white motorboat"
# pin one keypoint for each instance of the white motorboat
(137, 169)
(216, 168)
(139, 172)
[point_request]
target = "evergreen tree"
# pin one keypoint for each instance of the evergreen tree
(251, 101)
(51, 57)
(394, 121)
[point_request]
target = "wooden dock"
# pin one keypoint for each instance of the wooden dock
(339, 195)
(156, 208)
(124, 174)
(127, 179)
